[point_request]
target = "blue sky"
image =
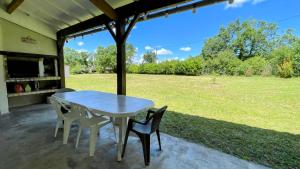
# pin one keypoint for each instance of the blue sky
(182, 35)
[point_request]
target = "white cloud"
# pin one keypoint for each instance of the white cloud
(236, 4)
(160, 51)
(148, 48)
(134, 27)
(185, 49)
(240, 3)
(80, 43)
(136, 49)
(164, 51)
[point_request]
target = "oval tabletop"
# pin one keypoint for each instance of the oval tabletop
(107, 103)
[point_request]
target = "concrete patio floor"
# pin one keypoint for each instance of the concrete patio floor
(27, 142)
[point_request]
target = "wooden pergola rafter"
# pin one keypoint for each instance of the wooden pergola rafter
(13, 6)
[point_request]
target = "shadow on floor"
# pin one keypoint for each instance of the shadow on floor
(26, 141)
(267, 147)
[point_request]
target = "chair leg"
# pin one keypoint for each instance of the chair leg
(125, 142)
(143, 141)
(67, 126)
(56, 128)
(148, 148)
(158, 137)
(93, 140)
(78, 136)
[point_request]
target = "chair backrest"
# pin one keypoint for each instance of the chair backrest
(62, 90)
(82, 111)
(156, 118)
(57, 105)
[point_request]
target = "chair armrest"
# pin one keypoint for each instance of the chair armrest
(150, 111)
(135, 121)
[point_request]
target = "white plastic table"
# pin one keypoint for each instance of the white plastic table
(119, 107)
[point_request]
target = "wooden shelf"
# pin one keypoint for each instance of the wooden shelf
(31, 55)
(32, 79)
(31, 93)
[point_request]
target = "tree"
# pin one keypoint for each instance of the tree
(71, 56)
(106, 57)
(248, 39)
(150, 57)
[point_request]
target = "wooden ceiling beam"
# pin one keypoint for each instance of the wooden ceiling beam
(13, 6)
(129, 9)
(105, 8)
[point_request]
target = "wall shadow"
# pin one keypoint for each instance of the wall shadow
(268, 147)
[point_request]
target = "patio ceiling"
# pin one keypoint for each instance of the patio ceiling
(71, 18)
(60, 14)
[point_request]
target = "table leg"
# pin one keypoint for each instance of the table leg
(122, 126)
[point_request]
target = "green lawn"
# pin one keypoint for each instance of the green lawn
(254, 118)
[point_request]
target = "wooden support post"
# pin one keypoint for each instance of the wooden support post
(120, 37)
(121, 56)
(60, 53)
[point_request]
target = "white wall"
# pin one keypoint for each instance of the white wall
(10, 40)
(3, 91)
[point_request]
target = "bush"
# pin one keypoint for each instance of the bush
(149, 68)
(169, 66)
(242, 68)
(256, 64)
(249, 72)
(267, 71)
(296, 63)
(284, 61)
(278, 57)
(285, 69)
(191, 66)
(133, 69)
(77, 69)
(296, 58)
(284, 54)
(225, 63)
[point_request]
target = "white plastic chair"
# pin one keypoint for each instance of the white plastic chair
(89, 120)
(68, 118)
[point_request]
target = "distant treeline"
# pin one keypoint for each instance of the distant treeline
(242, 48)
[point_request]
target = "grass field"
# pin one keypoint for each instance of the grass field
(254, 118)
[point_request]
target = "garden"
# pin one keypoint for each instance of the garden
(240, 95)
(254, 118)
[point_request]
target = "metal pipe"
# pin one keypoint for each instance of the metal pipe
(174, 10)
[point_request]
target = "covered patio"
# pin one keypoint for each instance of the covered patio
(27, 142)
(33, 34)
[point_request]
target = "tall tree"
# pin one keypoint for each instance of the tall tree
(105, 57)
(150, 57)
(247, 39)
(71, 56)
